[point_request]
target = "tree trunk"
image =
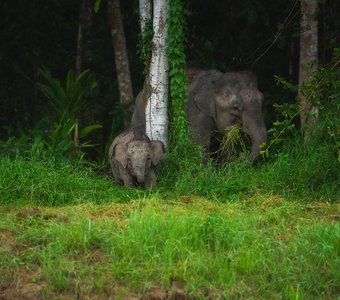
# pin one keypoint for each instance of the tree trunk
(79, 57)
(308, 58)
(144, 13)
(121, 57)
(84, 25)
(156, 112)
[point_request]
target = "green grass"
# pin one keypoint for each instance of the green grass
(260, 248)
(300, 171)
(269, 231)
(46, 182)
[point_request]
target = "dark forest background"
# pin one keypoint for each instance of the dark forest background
(226, 35)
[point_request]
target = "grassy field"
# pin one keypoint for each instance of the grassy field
(67, 233)
(257, 248)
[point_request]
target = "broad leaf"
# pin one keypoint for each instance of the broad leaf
(85, 131)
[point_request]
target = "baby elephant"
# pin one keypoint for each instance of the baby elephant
(133, 157)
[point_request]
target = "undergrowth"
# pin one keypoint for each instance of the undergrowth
(300, 171)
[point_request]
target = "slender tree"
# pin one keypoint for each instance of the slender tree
(84, 24)
(120, 51)
(156, 112)
(145, 13)
(308, 58)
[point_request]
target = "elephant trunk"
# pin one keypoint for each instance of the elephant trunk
(256, 130)
(140, 174)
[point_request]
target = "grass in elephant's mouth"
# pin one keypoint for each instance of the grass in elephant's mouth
(261, 247)
(232, 142)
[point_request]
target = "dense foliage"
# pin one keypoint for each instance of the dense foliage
(38, 107)
(226, 35)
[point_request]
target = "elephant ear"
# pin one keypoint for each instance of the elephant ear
(157, 152)
(118, 152)
(203, 89)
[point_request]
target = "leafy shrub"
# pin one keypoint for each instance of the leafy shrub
(67, 103)
(323, 91)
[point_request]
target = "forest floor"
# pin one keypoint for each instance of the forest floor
(261, 247)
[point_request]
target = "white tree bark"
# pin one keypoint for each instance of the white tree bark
(308, 57)
(144, 13)
(156, 112)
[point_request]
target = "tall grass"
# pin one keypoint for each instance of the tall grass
(304, 170)
(300, 171)
(36, 178)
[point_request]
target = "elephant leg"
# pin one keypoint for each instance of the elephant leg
(218, 157)
(126, 176)
(150, 179)
(116, 171)
(204, 140)
(201, 127)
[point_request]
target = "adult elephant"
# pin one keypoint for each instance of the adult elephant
(216, 102)
(219, 100)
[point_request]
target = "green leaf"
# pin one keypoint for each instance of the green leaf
(277, 123)
(53, 91)
(85, 131)
(96, 6)
(69, 81)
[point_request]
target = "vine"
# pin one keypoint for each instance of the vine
(145, 46)
(178, 78)
(177, 71)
